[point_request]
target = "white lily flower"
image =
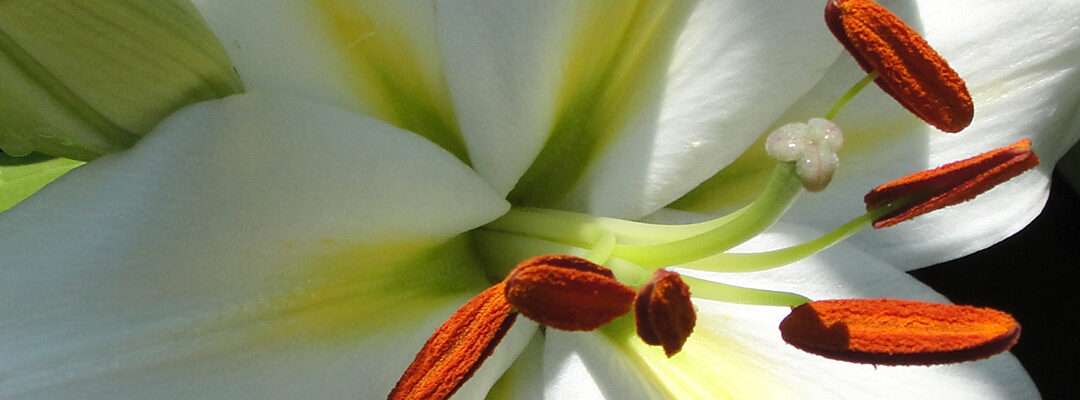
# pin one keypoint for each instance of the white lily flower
(302, 240)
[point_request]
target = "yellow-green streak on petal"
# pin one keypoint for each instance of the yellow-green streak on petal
(389, 74)
(521, 380)
(734, 186)
(347, 293)
(741, 181)
(613, 68)
(708, 367)
(357, 289)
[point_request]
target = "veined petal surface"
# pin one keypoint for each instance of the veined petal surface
(734, 67)
(620, 108)
(253, 247)
(539, 96)
(504, 61)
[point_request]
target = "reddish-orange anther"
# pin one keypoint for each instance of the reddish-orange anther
(951, 183)
(455, 351)
(910, 70)
(567, 293)
(899, 332)
(663, 312)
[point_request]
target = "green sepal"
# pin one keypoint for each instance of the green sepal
(84, 78)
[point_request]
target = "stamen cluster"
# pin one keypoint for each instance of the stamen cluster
(559, 291)
(574, 294)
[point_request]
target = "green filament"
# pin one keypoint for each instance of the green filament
(699, 246)
(634, 231)
(678, 243)
(566, 228)
(778, 196)
(850, 94)
(751, 262)
(709, 290)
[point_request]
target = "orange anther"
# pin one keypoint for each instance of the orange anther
(663, 312)
(567, 293)
(899, 332)
(456, 350)
(910, 70)
(951, 183)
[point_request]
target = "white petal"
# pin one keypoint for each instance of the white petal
(1019, 62)
(281, 45)
(521, 336)
(542, 87)
(252, 247)
(503, 64)
(585, 365)
(377, 57)
(735, 67)
(520, 381)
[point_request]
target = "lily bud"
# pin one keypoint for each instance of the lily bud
(83, 78)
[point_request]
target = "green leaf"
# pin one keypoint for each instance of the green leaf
(22, 176)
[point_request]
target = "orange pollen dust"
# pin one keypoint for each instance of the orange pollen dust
(457, 348)
(899, 332)
(567, 293)
(909, 69)
(951, 183)
(663, 313)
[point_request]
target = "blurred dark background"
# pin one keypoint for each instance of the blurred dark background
(1034, 275)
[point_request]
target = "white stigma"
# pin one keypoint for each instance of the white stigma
(812, 146)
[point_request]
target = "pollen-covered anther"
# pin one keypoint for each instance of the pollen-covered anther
(899, 332)
(909, 69)
(457, 349)
(567, 293)
(663, 312)
(812, 146)
(951, 183)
